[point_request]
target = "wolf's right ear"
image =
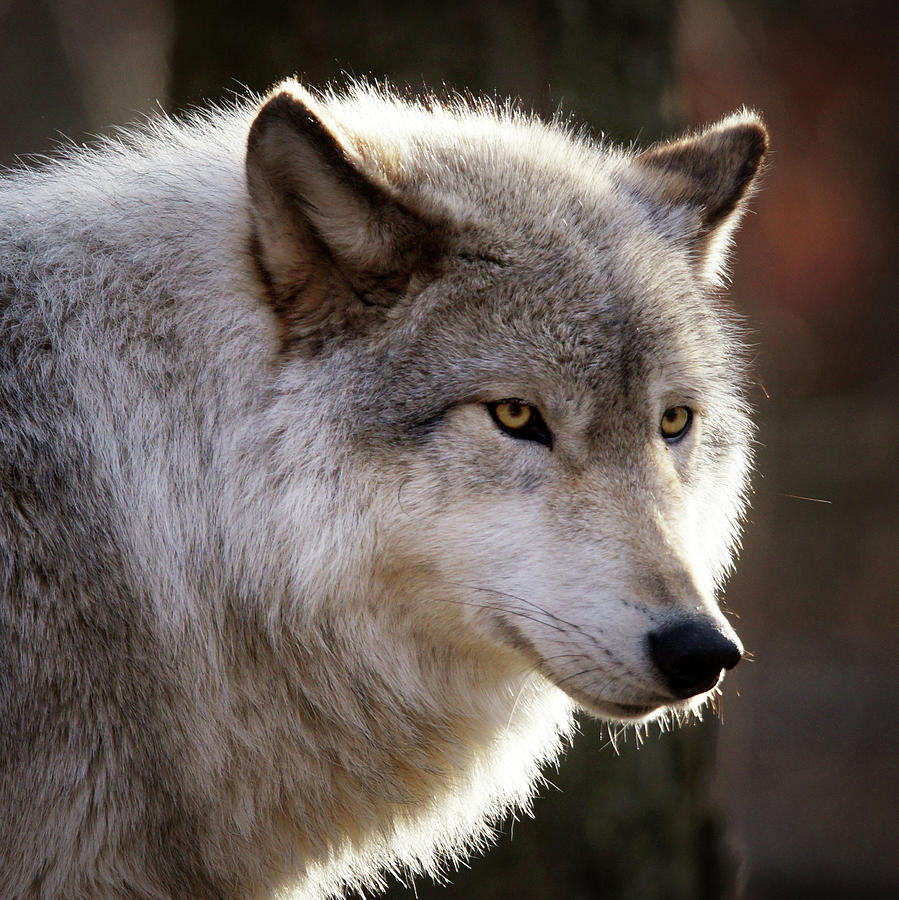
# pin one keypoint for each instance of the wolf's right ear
(331, 240)
(711, 173)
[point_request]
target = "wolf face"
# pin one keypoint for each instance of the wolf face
(540, 385)
(347, 444)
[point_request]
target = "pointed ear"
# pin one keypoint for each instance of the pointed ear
(713, 172)
(331, 240)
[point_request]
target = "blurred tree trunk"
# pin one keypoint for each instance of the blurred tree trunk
(609, 63)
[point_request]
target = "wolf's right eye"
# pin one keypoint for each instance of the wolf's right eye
(520, 420)
(676, 422)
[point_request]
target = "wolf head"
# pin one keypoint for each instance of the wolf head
(514, 370)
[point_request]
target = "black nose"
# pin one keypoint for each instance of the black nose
(692, 655)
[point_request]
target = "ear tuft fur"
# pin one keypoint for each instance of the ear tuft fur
(714, 171)
(330, 238)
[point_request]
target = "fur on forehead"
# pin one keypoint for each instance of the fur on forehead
(472, 141)
(464, 160)
(361, 197)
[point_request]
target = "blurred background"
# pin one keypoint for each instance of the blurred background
(796, 794)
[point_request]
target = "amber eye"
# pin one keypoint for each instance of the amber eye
(520, 420)
(513, 414)
(676, 422)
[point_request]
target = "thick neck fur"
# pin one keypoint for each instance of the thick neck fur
(341, 781)
(216, 688)
(399, 748)
(308, 759)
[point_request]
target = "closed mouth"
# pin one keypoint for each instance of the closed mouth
(604, 708)
(608, 709)
(597, 706)
(630, 710)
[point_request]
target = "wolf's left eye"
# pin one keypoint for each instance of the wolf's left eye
(520, 420)
(676, 423)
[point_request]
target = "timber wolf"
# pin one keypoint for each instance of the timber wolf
(348, 444)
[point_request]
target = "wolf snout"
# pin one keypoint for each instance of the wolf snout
(692, 655)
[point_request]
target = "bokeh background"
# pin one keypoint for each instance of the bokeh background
(795, 795)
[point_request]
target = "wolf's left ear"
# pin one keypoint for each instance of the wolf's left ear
(713, 173)
(332, 240)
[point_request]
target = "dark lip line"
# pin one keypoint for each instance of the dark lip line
(524, 646)
(604, 708)
(631, 710)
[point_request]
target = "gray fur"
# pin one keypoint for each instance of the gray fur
(281, 606)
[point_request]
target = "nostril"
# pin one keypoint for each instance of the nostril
(692, 655)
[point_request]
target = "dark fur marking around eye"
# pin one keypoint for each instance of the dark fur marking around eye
(535, 430)
(421, 432)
